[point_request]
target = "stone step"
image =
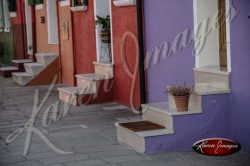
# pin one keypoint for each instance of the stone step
(140, 140)
(22, 78)
(88, 81)
(7, 71)
(19, 63)
(46, 58)
(33, 68)
(211, 78)
(104, 69)
(73, 95)
(208, 89)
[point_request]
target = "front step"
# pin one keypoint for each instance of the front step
(73, 95)
(104, 69)
(211, 80)
(33, 68)
(45, 58)
(162, 114)
(22, 78)
(7, 71)
(19, 63)
(137, 133)
(91, 88)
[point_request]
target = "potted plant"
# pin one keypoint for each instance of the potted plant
(105, 25)
(181, 95)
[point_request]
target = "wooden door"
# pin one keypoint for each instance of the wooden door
(222, 32)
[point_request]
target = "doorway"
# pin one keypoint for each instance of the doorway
(104, 49)
(214, 50)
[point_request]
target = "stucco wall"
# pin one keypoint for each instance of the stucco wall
(66, 46)
(240, 45)
(84, 40)
(42, 33)
(124, 19)
(164, 21)
(19, 34)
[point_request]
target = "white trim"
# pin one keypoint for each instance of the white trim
(39, 7)
(97, 29)
(13, 14)
(1, 17)
(124, 2)
(51, 9)
(195, 9)
(28, 23)
(6, 14)
(213, 62)
(111, 31)
(79, 8)
(64, 3)
(228, 24)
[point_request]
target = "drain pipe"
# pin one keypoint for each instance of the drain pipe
(141, 52)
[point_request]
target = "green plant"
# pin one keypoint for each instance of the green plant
(80, 2)
(180, 90)
(104, 22)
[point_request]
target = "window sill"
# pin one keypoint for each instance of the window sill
(79, 8)
(13, 14)
(39, 7)
(64, 3)
(124, 3)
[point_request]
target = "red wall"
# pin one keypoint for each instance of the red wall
(84, 40)
(124, 19)
(19, 32)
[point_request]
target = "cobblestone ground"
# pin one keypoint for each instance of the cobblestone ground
(88, 131)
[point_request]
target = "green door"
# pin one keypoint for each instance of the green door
(6, 35)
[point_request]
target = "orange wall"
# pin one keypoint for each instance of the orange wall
(84, 40)
(124, 19)
(66, 46)
(42, 33)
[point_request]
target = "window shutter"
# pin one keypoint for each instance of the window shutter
(38, 2)
(12, 5)
(31, 2)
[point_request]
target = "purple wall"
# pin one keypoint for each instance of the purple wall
(240, 79)
(213, 122)
(165, 19)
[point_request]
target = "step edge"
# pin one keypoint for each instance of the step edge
(145, 134)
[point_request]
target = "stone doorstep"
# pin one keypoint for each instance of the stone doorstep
(46, 58)
(213, 70)
(22, 61)
(137, 140)
(33, 68)
(163, 108)
(206, 89)
(71, 94)
(92, 77)
(22, 78)
(104, 69)
(7, 71)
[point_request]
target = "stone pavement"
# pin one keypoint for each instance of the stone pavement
(88, 131)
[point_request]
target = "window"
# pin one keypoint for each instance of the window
(80, 2)
(35, 2)
(12, 5)
(52, 22)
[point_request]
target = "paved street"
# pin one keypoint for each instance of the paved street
(88, 131)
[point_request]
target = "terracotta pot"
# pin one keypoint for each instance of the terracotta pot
(105, 37)
(181, 103)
